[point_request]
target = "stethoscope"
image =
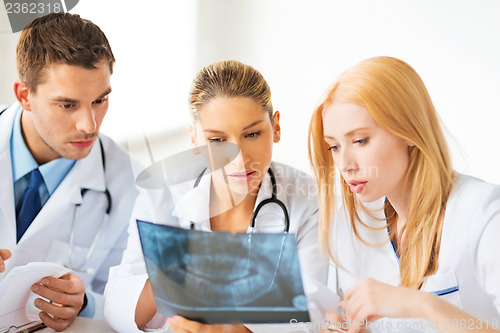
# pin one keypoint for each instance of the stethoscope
(272, 200)
(97, 236)
(91, 250)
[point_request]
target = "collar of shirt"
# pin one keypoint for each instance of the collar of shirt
(23, 162)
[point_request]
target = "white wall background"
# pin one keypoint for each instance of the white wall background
(300, 46)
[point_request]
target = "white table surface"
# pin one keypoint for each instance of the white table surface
(81, 325)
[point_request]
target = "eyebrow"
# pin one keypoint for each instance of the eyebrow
(348, 133)
(74, 101)
(245, 128)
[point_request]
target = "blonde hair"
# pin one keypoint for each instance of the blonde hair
(397, 99)
(229, 78)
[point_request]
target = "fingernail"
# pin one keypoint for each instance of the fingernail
(34, 287)
(172, 319)
(45, 282)
(38, 303)
(2, 267)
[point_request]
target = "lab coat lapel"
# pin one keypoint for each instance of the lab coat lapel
(87, 173)
(7, 206)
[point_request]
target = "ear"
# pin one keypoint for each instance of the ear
(410, 144)
(276, 127)
(22, 93)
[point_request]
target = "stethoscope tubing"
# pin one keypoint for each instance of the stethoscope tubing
(101, 226)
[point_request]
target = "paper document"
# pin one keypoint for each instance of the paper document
(219, 277)
(15, 289)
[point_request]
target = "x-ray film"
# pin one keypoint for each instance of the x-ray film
(219, 277)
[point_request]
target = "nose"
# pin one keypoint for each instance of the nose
(86, 121)
(346, 161)
(243, 157)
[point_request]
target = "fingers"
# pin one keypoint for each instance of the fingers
(66, 295)
(182, 325)
(334, 323)
(56, 324)
(68, 283)
(361, 304)
(4, 255)
(57, 310)
(65, 299)
(333, 316)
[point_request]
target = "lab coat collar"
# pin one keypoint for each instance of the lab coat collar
(7, 207)
(22, 160)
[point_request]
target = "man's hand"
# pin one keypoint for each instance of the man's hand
(66, 295)
(4, 255)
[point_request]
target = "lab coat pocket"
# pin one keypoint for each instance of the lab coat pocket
(445, 286)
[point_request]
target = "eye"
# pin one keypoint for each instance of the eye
(253, 134)
(101, 100)
(361, 141)
(334, 148)
(215, 140)
(66, 106)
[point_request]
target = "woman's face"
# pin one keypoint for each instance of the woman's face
(371, 160)
(242, 121)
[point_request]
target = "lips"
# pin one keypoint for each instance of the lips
(357, 186)
(242, 177)
(82, 143)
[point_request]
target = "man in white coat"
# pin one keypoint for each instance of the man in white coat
(66, 192)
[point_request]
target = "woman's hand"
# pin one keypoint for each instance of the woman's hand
(182, 325)
(371, 300)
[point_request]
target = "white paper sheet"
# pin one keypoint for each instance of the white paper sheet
(15, 289)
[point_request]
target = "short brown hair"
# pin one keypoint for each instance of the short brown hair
(60, 38)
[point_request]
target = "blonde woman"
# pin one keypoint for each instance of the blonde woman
(229, 102)
(415, 243)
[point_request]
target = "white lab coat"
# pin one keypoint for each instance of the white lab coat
(469, 258)
(295, 189)
(47, 238)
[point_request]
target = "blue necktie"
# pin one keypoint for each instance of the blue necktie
(30, 204)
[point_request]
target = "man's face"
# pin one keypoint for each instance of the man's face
(66, 112)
